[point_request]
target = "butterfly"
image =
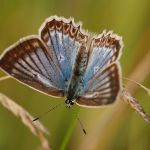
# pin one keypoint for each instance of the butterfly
(63, 60)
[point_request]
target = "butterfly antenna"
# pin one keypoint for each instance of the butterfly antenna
(52, 108)
(80, 123)
(142, 86)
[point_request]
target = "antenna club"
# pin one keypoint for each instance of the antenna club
(35, 119)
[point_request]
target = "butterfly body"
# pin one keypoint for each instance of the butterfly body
(65, 61)
(76, 80)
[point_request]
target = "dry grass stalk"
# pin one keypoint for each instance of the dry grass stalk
(126, 96)
(35, 127)
(140, 77)
(142, 86)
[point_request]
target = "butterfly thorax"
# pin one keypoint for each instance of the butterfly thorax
(77, 75)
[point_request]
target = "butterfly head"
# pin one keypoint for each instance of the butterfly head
(69, 103)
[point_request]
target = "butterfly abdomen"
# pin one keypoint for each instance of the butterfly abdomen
(81, 62)
(79, 69)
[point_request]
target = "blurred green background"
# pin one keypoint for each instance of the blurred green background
(108, 128)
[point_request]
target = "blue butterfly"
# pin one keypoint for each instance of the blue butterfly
(65, 61)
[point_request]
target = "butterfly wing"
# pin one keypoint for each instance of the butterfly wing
(103, 88)
(101, 81)
(29, 62)
(64, 39)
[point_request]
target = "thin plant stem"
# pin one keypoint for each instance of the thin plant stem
(36, 128)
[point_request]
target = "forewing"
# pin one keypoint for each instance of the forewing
(103, 88)
(29, 62)
(101, 81)
(64, 39)
(104, 50)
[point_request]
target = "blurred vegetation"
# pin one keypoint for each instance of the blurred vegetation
(131, 20)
